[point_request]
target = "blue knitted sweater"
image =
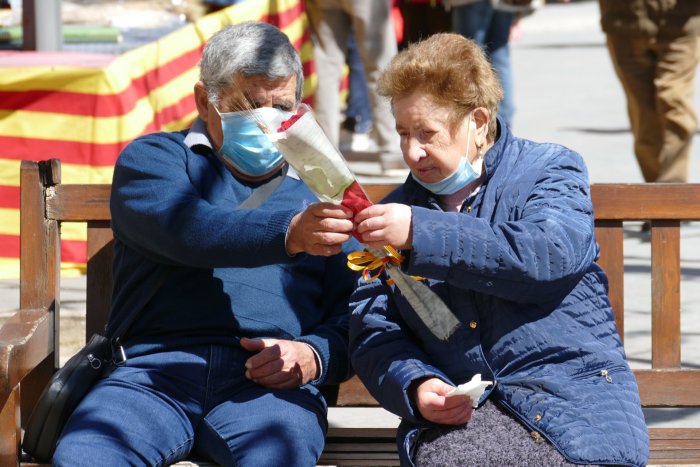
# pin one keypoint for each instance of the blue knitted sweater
(229, 274)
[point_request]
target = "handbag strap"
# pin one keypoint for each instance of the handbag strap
(259, 195)
(264, 191)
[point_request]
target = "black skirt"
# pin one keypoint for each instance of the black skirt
(491, 438)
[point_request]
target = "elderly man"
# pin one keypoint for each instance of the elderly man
(239, 270)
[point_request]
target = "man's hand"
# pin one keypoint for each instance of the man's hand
(320, 230)
(280, 363)
(433, 405)
(385, 224)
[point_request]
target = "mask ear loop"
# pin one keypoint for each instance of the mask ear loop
(469, 134)
(479, 151)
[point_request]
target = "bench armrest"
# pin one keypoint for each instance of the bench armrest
(26, 339)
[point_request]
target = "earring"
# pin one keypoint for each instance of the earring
(479, 150)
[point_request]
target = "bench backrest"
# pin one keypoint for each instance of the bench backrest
(46, 203)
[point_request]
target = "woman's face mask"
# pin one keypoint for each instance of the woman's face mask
(246, 146)
(465, 174)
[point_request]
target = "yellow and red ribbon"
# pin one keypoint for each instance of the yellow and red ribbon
(366, 262)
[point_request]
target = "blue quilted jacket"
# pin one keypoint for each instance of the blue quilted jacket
(517, 267)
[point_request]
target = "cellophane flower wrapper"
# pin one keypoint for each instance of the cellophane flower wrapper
(319, 164)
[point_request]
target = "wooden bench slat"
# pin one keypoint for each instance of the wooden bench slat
(99, 276)
(637, 202)
(656, 434)
(354, 393)
(377, 191)
(610, 238)
(354, 432)
(360, 455)
(78, 203)
(669, 387)
(369, 462)
(369, 446)
(666, 294)
(676, 444)
(674, 457)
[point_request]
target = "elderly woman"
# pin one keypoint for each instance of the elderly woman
(501, 228)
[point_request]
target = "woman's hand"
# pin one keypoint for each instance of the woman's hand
(321, 229)
(385, 224)
(429, 397)
(280, 363)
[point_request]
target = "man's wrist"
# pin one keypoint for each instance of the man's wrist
(289, 244)
(286, 245)
(317, 359)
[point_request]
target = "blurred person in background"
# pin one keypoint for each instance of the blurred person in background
(211, 6)
(356, 128)
(422, 18)
(371, 22)
(489, 24)
(655, 49)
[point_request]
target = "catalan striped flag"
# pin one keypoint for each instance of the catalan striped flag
(84, 108)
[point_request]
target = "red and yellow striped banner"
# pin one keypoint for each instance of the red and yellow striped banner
(84, 108)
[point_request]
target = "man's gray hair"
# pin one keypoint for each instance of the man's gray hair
(250, 49)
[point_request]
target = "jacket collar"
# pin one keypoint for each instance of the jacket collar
(494, 155)
(198, 135)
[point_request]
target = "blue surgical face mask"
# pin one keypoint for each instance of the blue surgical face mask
(463, 176)
(246, 147)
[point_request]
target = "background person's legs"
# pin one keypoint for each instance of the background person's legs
(676, 70)
(421, 20)
(330, 38)
(498, 50)
(376, 43)
(490, 29)
(635, 62)
(355, 129)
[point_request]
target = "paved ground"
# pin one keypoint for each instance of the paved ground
(566, 92)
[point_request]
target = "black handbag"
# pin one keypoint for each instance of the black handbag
(65, 390)
(69, 385)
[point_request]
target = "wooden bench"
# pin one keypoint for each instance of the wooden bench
(29, 341)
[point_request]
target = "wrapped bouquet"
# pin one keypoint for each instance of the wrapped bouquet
(319, 164)
(322, 167)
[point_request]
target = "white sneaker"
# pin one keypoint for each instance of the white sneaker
(357, 142)
(363, 142)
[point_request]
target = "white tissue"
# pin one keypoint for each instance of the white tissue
(474, 389)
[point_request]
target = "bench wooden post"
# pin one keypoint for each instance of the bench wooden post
(40, 264)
